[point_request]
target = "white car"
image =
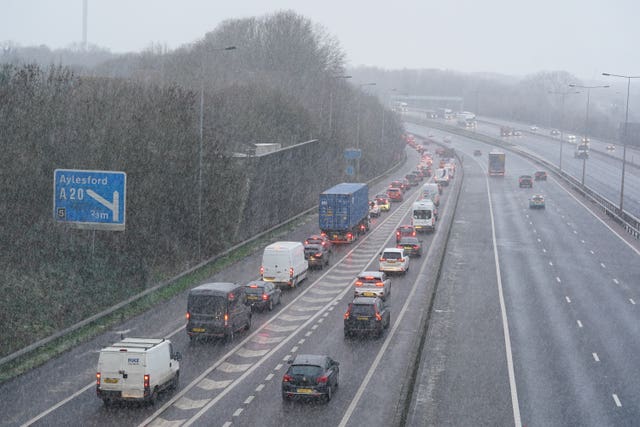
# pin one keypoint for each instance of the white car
(394, 260)
(372, 284)
(571, 139)
(534, 128)
(374, 209)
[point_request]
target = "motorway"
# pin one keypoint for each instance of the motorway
(239, 383)
(569, 288)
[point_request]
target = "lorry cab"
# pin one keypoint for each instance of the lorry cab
(217, 310)
(441, 176)
(137, 369)
(284, 263)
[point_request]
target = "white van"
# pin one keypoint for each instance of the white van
(441, 176)
(283, 263)
(431, 191)
(137, 369)
(423, 215)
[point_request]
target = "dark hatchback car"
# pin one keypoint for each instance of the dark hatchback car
(411, 245)
(540, 176)
(366, 315)
(316, 255)
(310, 376)
(319, 239)
(525, 181)
(405, 230)
(262, 295)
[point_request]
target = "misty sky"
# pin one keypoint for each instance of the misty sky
(584, 37)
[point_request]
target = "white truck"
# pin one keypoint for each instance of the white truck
(424, 215)
(284, 263)
(137, 369)
(441, 176)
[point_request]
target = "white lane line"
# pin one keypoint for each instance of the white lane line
(268, 377)
(615, 399)
(579, 324)
(325, 314)
(595, 357)
(259, 388)
(294, 349)
(544, 250)
(558, 279)
(575, 231)
(62, 402)
(314, 327)
(534, 230)
(320, 320)
(285, 358)
(581, 241)
(568, 299)
(248, 400)
(602, 265)
(632, 301)
(301, 341)
(308, 334)
(616, 281)
(330, 308)
(238, 412)
(592, 252)
(539, 240)
(227, 424)
(550, 263)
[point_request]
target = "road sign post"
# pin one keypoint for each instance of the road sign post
(93, 200)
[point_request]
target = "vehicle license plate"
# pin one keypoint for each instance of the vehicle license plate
(252, 297)
(363, 318)
(369, 294)
(305, 390)
(133, 393)
(197, 330)
(111, 380)
(408, 247)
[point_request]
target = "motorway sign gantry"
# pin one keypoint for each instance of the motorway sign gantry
(93, 200)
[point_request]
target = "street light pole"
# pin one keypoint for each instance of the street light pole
(624, 135)
(358, 126)
(201, 143)
(586, 122)
(563, 94)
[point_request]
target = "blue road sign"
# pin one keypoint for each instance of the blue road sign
(90, 199)
(352, 153)
(350, 170)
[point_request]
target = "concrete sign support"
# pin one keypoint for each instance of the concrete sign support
(92, 200)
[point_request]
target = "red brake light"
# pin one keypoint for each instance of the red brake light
(146, 381)
(380, 284)
(399, 246)
(348, 313)
(253, 286)
(318, 255)
(265, 297)
(358, 284)
(416, 247)
(98, 376)
(401, 260)
(188, 315)
(382, 259)
(226, 319)
(323, 379)
(323, 234)
(286, 378)
(261, 270)
(291, 272)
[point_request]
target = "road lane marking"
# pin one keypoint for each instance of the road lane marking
(575, 231)
(544, 250)
(294, 349)
(301, 341)
(314, 327)
(602, 265)
(550, 263)
(615, 399)
(231, 368)
(579, 324)
(259, 388)
(581, 241)
(595, 357)
(568, 300)
(632, 301)
(187, 404)
(62, 402)
(558, 279)
(209, 384)
(238, 412)
(592, 252)
(539, 240)
(308, 334)
(227, 424)
(248, 400)
(247, 353)
(616, 281)
(270, 376)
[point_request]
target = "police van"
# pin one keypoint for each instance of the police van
(423, 215)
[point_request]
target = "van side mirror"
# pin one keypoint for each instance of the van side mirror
(177, 356)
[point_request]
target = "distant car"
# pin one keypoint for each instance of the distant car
(374, 209)
(309, 376)
(372, 284)
(383, 202)
(394, 260)
(540, 176)
(525, 181)
(611, 147)
(447, 139)
(405, 230)
(534, 128)
(536, 202)
(395, 194)
(262, 295)
(413, 179)
(519, 132)
(317, 256)
(366, 315)
(571, 139)
(319, 239)
(406, 185)
(555, 132)
(477, 153)
(411, 245)
(397, 184)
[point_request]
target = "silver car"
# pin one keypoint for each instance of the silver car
(372, 284)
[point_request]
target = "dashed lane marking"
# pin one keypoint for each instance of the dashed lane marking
(595, 357)
(579, 324)
(602, 265)
(246, 353)
(186, 404)
(238, 412)
(233, 367)
(616, 400)
(632, 301)
(263, 339)
(259, 388)
(568, 299)
(281, 328)
(291, 318)
(208, 384)
(558, 279)
(616, 281)
(268, 377)
(248, 400)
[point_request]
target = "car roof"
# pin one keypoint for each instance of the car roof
(394, 189)
(401, 227)
(409, 239)
(313, 246)
(258, 283)
(392, 250)
(525, 176)
(364, 300)
(214, 288)
(309, 359)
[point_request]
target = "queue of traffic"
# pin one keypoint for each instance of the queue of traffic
(138, 369)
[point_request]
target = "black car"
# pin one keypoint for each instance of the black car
(319, 239)
(540, 176)
(316, 255)
(262, 295)
(309, 376)
(477, 153)
(411, 245)
(366, 315)
(525, 181)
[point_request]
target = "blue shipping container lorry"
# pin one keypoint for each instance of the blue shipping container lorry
(344, 211)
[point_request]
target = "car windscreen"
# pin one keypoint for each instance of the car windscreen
(206, 304)
(310, 371)
(391, 255)
(363, 310)
(422, 214)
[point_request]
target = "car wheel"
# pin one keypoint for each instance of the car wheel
(337, 377)
(107, 403)
(270, 305)
(329, 393)
(229, 336)
(347, 334)
(248, 326)
(175, 381)
(154, 396)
